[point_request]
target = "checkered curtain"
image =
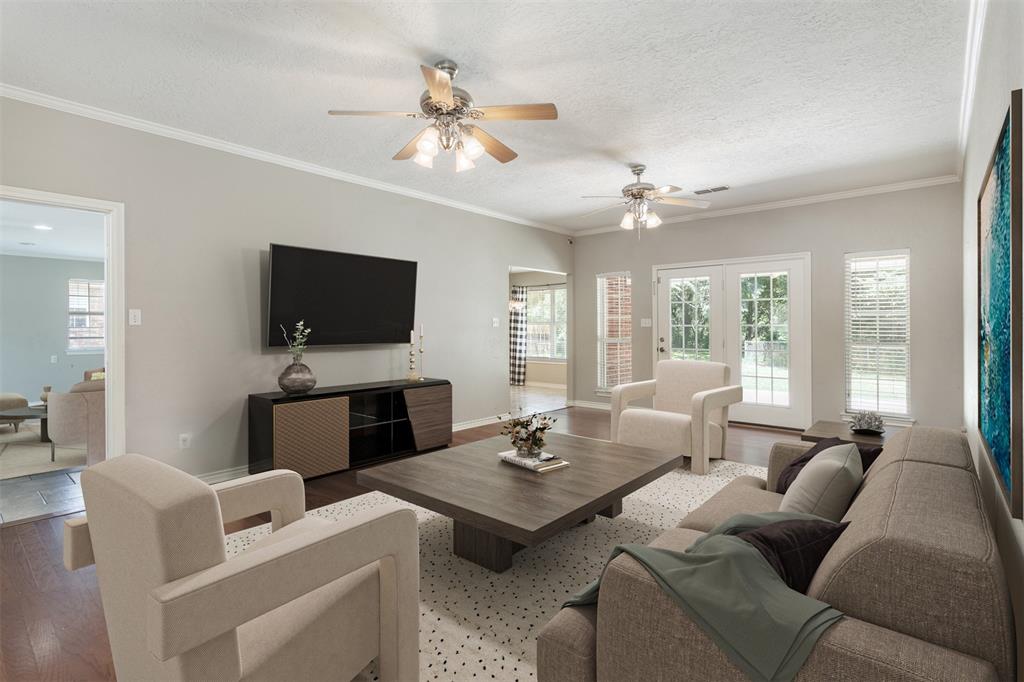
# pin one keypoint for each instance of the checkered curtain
(517, 336)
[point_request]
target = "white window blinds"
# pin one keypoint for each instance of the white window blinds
(547, 315)
(877, 332)
(85, 316)
(614, 330)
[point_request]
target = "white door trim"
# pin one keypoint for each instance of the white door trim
(114, 314)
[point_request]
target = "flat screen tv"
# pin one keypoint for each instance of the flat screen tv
(345, 298)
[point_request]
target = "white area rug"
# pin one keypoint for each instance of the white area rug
(475, 624)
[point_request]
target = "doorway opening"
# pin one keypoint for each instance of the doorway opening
(58, 333)
(538, 340)
(751, 314)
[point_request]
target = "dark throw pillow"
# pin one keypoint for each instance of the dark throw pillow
(795, 548)
(868, 455)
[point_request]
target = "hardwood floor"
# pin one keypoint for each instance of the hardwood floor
(51, 623)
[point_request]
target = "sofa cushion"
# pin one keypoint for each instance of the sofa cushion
(87, 386)
(745, 494)
(677, 539)
(919, 557)
(924, 444)
(825, 486)
(789, 474)
(795, 548)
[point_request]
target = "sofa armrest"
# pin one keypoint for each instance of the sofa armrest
(188, 612)
(279, 492)
(642, 634)
(622, 395)
(567, 646)
(780, 457)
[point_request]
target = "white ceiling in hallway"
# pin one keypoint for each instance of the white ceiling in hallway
(776, 99)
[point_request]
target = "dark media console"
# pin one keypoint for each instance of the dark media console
(335, 428)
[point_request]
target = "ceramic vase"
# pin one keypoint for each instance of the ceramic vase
(296, 378)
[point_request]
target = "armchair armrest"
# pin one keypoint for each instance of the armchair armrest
(781, 455)
(188, 612)
(642, 634)
(622, 395)
(703, 403)
(280, 492)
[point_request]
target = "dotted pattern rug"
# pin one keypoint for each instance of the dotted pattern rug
(479, 625)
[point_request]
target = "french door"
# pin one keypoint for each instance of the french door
(752, 315)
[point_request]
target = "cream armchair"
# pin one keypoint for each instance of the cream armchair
(315, 600)
(79, 417)
(691, 410)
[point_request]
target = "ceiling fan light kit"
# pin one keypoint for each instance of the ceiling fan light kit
(451, 110)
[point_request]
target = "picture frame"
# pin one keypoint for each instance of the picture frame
(1000, 368)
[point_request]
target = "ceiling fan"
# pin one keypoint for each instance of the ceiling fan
(637, 197)
(453, 115)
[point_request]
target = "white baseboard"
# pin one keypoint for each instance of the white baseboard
(541, 384)
(224, 474)
(590, 404)
(483, 421)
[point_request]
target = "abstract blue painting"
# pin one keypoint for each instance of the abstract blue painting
(999, 310)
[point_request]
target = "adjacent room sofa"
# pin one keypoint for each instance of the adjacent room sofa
(917, 575)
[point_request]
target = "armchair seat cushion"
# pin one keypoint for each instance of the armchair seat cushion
(303, 525)
(743, 495)
(646, 428)
(330, 633)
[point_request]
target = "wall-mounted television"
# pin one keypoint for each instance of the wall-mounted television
(345, 298)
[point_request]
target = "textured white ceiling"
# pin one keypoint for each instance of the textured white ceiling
(74, 234)
(776, 99)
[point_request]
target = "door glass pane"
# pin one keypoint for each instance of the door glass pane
(690, 315)
(764, 338)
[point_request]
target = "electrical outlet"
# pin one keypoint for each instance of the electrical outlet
(184, 441)
(645, 322)
(135, 317)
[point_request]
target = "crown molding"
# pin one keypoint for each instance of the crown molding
(50, 102)
(798, 201)
(972, 54)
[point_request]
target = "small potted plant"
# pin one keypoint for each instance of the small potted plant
(296, 378)
(867, 423)
(527, 433)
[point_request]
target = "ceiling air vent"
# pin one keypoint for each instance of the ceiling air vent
(709, 190)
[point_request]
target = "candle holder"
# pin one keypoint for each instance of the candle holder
(412, 375)
(421, 377)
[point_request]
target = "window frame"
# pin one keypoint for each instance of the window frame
(888, 416)
(89, 283)
(552, 322)
(603, 340)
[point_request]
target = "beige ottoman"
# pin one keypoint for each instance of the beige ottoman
(12, 401)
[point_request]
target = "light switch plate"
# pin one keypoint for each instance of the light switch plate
(53, 359)
(135, 317)
(645, 322)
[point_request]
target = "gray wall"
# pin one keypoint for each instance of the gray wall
(197, 224)
(34, 324)
(924, 220)
(1000, 70)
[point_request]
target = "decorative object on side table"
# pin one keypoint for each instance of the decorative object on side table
(296, 378)
(867, 423)
(45, 395)
(527, 433)
(412, 375)
(1000, 354)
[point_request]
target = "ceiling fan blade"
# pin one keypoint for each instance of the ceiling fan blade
(492, 145)
(409, 150)
(519, 112)
(340, 112)
(691, 203)
(605, 208)
(601, 196)
(667, 189)
(439, 84)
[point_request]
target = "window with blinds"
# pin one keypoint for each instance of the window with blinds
(85, 316)
(877, 332)
(614, 330)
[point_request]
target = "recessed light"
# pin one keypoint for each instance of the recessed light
(44, 228)
(27, 243)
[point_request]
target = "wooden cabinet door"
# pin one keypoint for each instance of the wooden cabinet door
(311, 436)
(430, 413)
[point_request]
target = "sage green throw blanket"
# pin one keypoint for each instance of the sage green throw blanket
(728, 589)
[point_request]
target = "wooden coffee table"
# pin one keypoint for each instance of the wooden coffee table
(497, 509)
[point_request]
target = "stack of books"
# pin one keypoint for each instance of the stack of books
(541, 464)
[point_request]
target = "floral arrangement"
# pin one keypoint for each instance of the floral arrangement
(527, 432)
(867, 421)
(297, 342)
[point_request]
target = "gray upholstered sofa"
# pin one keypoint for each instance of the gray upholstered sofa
(917, 574)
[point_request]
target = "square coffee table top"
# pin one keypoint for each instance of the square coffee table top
(468, 483)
